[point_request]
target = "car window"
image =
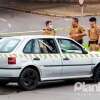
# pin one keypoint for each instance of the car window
(8, 44)
(29, 46)
(69, 46)
(32, 47)
(48, 46)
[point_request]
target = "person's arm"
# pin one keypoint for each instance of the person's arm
(82, 32)
(98, 32)
(88, 33)
(72, 35)
(45, 32)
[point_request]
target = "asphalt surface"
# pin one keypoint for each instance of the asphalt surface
(13, 21)
(61, 90)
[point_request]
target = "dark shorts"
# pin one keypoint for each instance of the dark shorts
(93, 42)
(80, 41)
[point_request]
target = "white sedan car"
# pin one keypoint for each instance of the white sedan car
(29, 60)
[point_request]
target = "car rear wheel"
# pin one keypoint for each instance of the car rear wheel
(28, 79)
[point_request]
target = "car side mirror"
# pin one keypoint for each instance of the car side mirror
(85, 52)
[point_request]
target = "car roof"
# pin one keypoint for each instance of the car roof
(37, 36)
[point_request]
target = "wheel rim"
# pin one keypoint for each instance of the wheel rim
(29, 78)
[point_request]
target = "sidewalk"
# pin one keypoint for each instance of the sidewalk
(53, 9)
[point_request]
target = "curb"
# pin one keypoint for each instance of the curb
(47, 14)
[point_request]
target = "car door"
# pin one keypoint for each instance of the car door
(75, 62)
(50, 58)
(45, 53)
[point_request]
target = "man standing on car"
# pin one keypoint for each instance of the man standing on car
(93, 34)
(49, 30)
(77, 31)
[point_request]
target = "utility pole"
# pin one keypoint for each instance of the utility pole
(81, 3)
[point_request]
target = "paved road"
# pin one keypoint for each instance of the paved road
(51, 91)
(13, 21)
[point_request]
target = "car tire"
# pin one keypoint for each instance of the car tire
(97, 75)
(28, 79)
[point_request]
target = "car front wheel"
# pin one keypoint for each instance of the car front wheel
(28, 79)
(97, 75)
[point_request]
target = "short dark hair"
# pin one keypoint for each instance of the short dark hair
(92, 19)
(48, 22)
(75, 19)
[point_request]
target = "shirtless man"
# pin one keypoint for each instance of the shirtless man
(49, 30)
(77, 31)
(93, 34)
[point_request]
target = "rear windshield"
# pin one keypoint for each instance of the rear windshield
(8, 45)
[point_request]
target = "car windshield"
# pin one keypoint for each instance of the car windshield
(8, 44)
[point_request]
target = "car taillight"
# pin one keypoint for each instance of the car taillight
(12, 59)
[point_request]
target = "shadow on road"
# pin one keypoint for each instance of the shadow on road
(9, 89)
(13, 88)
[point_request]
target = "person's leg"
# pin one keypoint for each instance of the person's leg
(94, 47)
(91, 47)
(97, 47)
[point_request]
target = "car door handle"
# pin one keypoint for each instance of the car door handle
(66, 58)
(36, 58)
